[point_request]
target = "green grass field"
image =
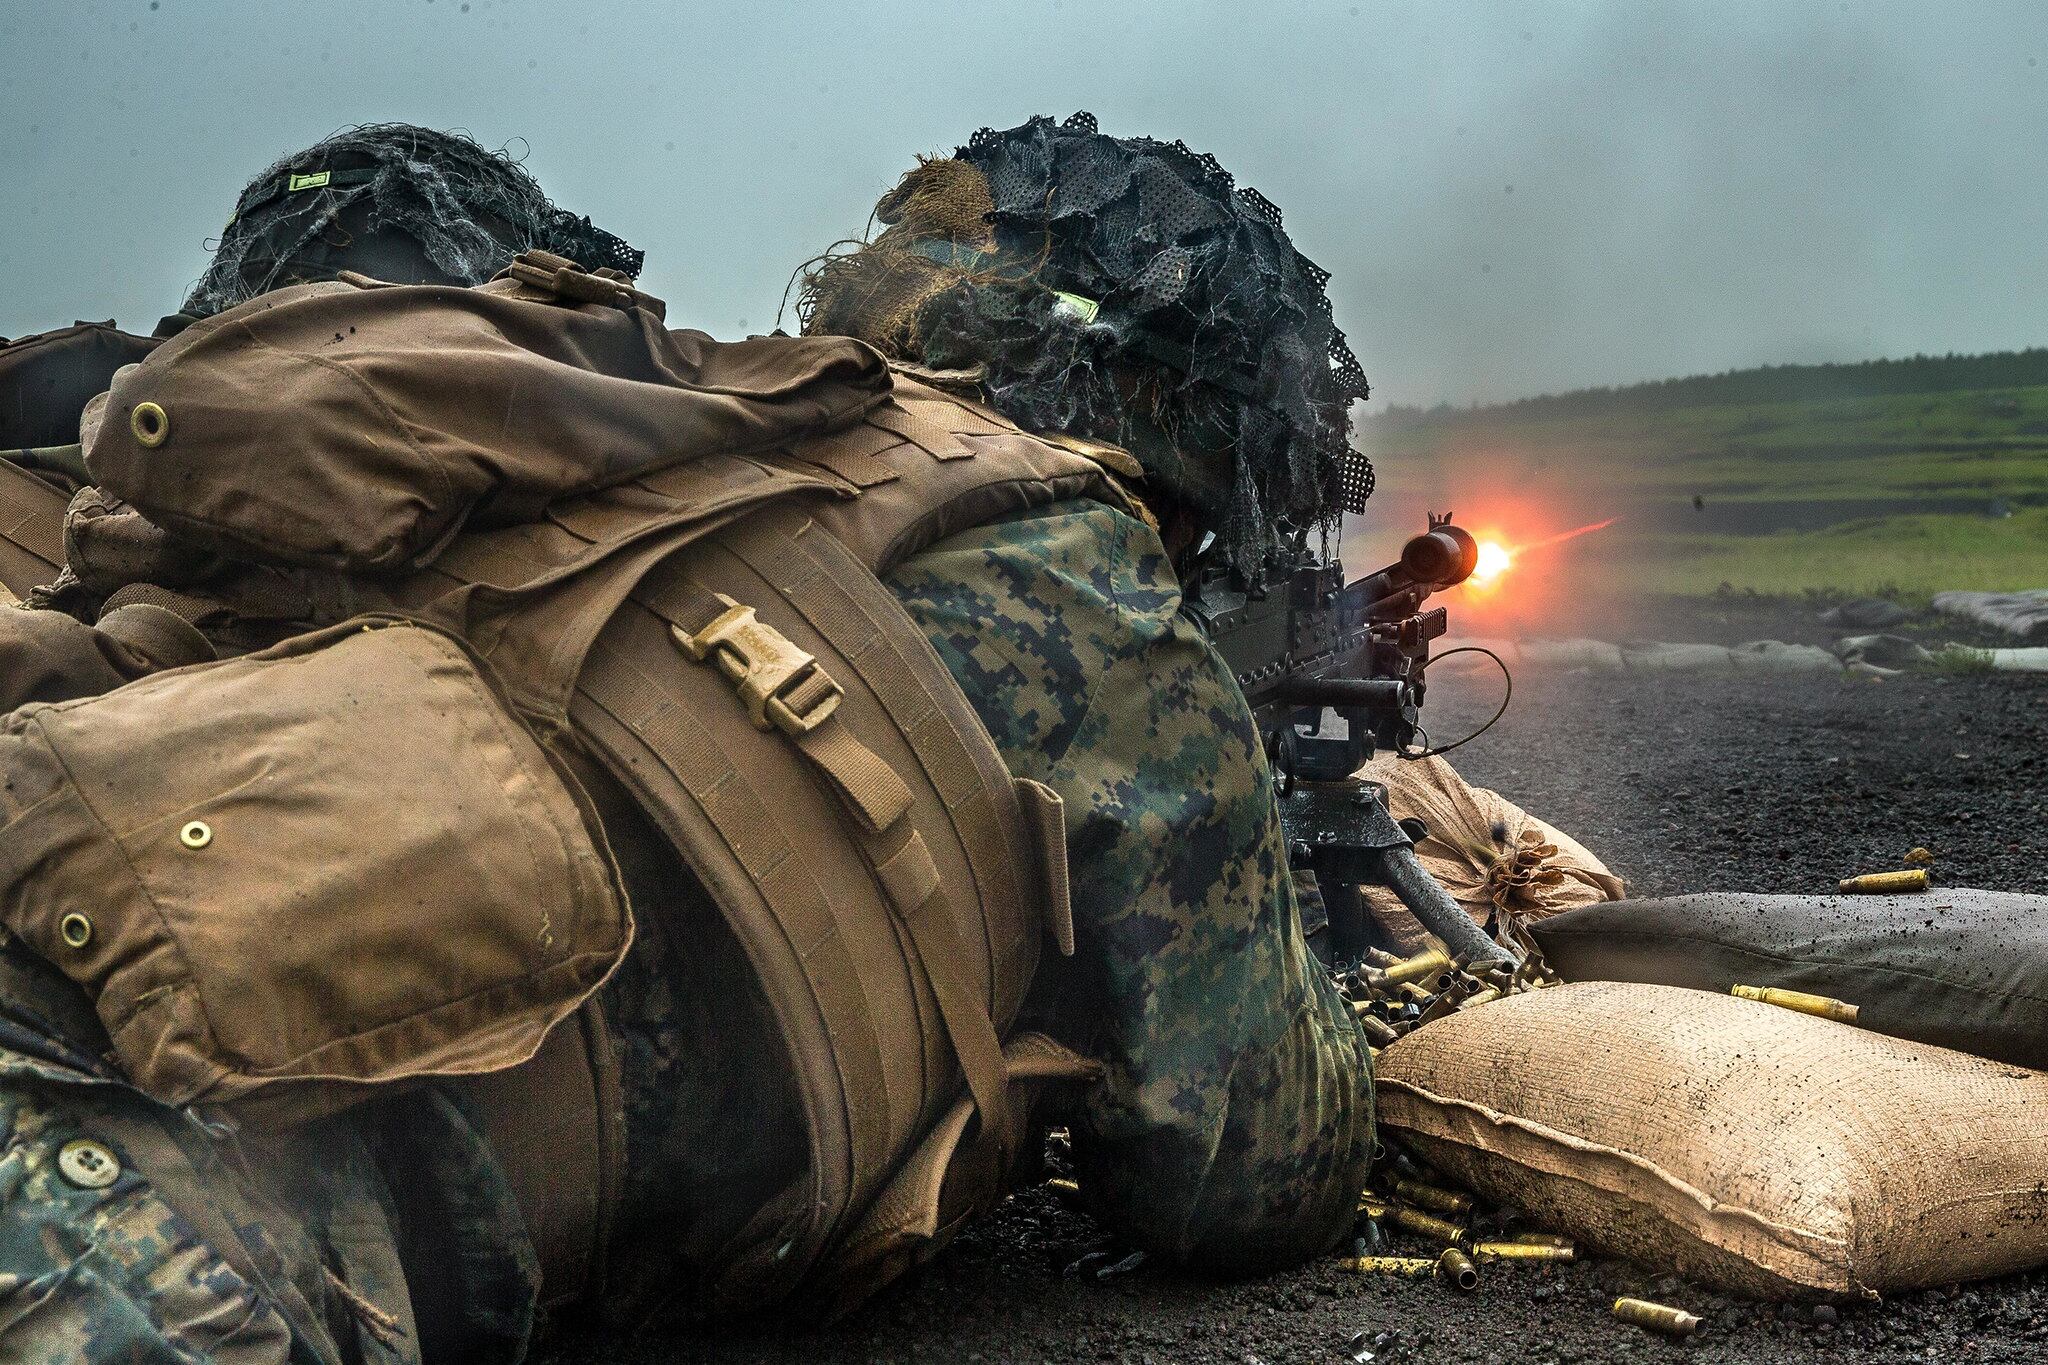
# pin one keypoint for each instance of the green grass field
(1785, 460)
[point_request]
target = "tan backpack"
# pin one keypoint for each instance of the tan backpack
(666, 553)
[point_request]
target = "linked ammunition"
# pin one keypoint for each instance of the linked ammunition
(1405, 1267)
(1657, 1317)
(1427, 1224)
(1432, 1198)
(1455, 1268)
(1522, 1251)
(1826, 1007)
(1885, 883)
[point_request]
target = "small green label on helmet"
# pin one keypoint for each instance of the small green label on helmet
(1083, 308)
(314, 181)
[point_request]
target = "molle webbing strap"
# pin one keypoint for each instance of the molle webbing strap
(877, 801)
(31, 530)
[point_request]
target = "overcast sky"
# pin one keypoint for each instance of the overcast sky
(1513, 198)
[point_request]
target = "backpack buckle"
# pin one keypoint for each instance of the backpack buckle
(782, 686)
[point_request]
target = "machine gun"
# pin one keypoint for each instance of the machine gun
(1334, 672)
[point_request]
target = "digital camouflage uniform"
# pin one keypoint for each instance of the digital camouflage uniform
(1232, 1130)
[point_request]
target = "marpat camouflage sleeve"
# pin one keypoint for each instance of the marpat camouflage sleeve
(1235, 1126)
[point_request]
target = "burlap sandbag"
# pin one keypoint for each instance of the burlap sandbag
(1493, 857)
(1747, 1146)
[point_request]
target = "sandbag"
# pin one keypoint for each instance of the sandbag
(1958, 968)
(2023, 614)
(1493, 857)
(1746, 1146)
(337, 862)
(360, 428)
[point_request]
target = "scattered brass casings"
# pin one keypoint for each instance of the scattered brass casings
(1407, 969)
(1455, 1268)
(1523, 1251)
(1827, 1007)
(1432, 1198)
(1405, 1267)
(1657, 1317)
(1886, 883)
(1428, 1224)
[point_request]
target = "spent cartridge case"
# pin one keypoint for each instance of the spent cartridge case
(1455, 1268)
(1423, 964)
(1657, 1317)
(1376, 1030)
(1522, 1251)
(1826, 1007)
(1432, 1198)
(1486, 996)
(1541, 1239)
(1405, 1267)
(1372, 1206)
(1059, 1184)
(1885, 883)
(1428, 1224)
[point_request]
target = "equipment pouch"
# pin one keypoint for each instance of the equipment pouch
(284, 877)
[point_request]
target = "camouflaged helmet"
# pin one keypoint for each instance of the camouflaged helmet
(1127, 290)
(398, 202)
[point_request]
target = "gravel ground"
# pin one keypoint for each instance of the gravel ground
(1682, 783)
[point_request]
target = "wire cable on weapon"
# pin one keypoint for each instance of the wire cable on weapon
(1426, 751)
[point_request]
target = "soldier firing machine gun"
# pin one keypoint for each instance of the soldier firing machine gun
(1334, 672)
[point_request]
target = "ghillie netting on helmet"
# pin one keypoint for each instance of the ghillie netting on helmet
(468, 209)
(1126, 290)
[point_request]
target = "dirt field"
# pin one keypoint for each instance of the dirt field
(1682, 782)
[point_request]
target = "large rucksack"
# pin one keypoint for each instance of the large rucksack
(666, 553)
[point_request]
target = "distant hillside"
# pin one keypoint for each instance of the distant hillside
(1769, 384)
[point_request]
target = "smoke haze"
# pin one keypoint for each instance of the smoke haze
(1513, 198)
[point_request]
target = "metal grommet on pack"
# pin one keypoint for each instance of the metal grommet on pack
(151, 425)
(196, 834)
(88, 1164)
(75, 929)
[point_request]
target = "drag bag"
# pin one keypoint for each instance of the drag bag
(1956, 967)
(1746, 1146)
(288, 876)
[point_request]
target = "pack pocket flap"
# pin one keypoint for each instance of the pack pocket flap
(338, 861)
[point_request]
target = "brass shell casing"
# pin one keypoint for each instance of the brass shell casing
(1522, 1251)
(1657, 1317)
(1428, 1224)
(1885, 883)
(1432, 1198)
(1455, 1268)
(1825, 1007)
(1402, 1267)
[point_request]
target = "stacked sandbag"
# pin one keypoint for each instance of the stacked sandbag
(1493, 857)
(1749, 1147)
(1956, 967)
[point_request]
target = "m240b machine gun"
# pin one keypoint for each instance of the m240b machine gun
(1334, 672)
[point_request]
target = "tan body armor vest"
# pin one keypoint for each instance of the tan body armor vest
(714, 635)
(717, 636)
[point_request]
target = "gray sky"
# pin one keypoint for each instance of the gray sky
(1513, 198)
